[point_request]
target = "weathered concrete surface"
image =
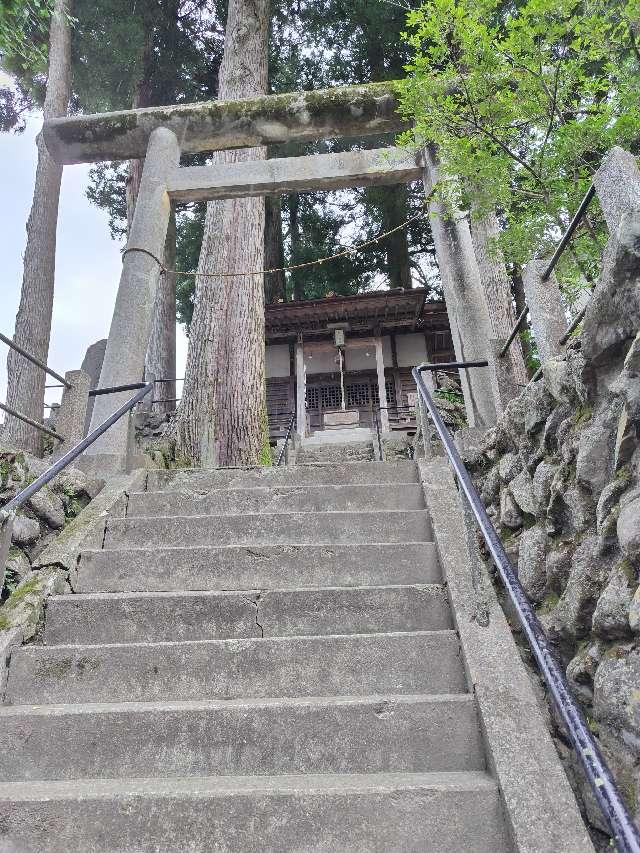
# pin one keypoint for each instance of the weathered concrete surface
(73, 411)
(341, 528)
(124, 358)
(214, 125)
(612, 317)
(330, 474)
(87, 529)
(377, 813)
(466, 304)
(294, 174)
(547, 311)
(349, 446)
(271, 500)
(92, 364)
(617, 184)
(237, 737)
(539, 804)
(166, 616)
(256, 567)
(339, 665)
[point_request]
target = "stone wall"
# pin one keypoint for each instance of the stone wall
(560, 475)
(46, 513)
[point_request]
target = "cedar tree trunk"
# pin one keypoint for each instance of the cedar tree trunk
(25, 382)
(221, 420)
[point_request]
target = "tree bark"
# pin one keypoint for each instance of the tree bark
(295, 236)
(275, 287)
(160, 360)
(497, 288)
(161, 353)
(394, 212)
(221, 420)
(25, 382)
(141, 98)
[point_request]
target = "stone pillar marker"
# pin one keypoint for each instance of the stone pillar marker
(466, 305)
(73, 411)
(546, 308)
(133, 313)
(382, 389)
(92, 364)
(301, 390)
(617, 184)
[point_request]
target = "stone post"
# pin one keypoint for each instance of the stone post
(466, 304)
(92, 364)
(548, 318)
(124, 358)
(73, 411)
(617, 184)
(301, 390)
(382, 390)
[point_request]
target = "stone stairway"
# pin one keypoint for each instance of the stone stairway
(353, 444)
(254, 660)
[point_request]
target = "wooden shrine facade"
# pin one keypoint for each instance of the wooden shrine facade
(386, 333)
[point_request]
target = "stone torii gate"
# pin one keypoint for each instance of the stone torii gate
(161, 135)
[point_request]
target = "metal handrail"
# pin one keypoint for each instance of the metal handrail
(11, 343)
(604, 788)
(376, 422)
(286, 440)
(23, 496)
(116, 389)
(562, 245)
(31, 422)
(568, 234)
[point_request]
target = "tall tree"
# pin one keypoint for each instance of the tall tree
(222, 416)
(25, 382)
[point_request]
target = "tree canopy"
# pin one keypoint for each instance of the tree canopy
(522, 100)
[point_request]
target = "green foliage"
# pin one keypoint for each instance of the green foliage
(523, 99)
(452, 396)
(24, 26)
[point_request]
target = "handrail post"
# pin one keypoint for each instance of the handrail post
(284, 453)
(73, 410)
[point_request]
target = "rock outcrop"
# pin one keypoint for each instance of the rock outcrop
(45, 514)
(560, 475)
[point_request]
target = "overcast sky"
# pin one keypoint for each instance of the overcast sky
(87, 259)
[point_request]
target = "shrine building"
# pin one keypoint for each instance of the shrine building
(344, 360)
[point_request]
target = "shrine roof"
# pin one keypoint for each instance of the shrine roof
(387, 310)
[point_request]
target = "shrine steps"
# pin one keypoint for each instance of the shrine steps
(255, 659)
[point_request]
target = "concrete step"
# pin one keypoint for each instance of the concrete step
(168, 616)
(321, 452)
(395, 496)
(352, 813)
(336, 435)
(336, 665)
(373, 734)
(336, 474)
(253, 567)
(340, 528)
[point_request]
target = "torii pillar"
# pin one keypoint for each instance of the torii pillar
(133, 313)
